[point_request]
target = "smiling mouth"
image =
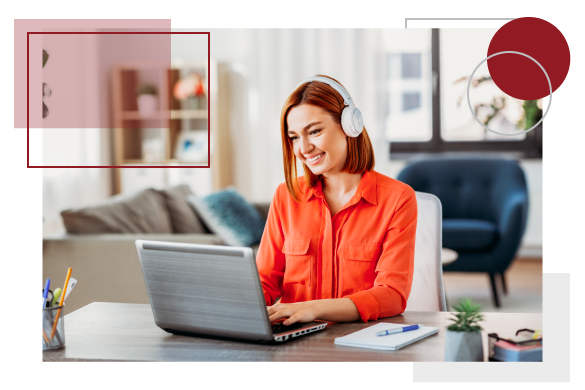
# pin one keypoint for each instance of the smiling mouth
(316, 159)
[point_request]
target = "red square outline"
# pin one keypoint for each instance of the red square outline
(139, 166)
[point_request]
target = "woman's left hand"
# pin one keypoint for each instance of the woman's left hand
(296, 312)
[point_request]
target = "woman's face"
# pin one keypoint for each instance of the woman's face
(318, 141)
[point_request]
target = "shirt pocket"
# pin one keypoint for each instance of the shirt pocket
(358, 266)
(298, 261)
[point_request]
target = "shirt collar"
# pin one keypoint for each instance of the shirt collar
(366, 189)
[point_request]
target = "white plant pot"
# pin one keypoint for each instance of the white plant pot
(463, 347)
(147, 105)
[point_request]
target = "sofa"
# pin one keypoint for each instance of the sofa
(99, 243)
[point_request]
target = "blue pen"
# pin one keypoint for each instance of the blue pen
(46, 292)
(398, 330)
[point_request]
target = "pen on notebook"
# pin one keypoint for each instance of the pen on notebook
(61, 302)
(398, 330)
(46, 292)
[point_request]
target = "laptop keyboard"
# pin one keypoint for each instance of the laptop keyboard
(279, 327)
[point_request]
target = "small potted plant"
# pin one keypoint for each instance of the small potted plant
(147, 102)
(463, 340)
(503, 106)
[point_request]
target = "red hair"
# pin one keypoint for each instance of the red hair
(360, 153)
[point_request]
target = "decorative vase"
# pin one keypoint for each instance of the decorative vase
(463, 347)
(147, 105)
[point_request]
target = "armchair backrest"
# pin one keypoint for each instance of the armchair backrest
(469, 188)
(427, 292)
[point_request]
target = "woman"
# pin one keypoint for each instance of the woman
(339, 241)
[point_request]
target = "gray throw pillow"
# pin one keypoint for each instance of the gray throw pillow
(183, 218)
(145, 212)
(230, 216)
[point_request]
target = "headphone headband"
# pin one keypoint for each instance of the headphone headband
(347, 100)
(352, 122)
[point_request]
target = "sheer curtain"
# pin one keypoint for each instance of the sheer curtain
(75, 187)
(274, 62)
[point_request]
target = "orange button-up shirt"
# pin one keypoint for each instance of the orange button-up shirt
(365, 252)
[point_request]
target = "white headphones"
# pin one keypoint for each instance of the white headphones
(352, 121)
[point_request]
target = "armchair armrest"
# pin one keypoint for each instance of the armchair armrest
(511, 224)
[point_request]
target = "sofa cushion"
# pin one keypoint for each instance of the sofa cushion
(183, 218)
(145, 212)
(468, 234)
(230, 216)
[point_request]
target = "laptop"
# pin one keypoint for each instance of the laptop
(210, 290)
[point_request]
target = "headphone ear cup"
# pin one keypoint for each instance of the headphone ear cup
(352, 121)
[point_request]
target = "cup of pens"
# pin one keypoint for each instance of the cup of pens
(52, 318)
(53, 321)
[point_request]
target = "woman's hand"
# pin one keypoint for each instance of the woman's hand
(335, 310)
(296, 312)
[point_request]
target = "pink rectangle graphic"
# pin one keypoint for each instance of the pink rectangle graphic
(94, 75)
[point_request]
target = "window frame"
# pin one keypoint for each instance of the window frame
(529, 148)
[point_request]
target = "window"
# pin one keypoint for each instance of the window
(427, 109)
(410, 101)
(408, 112)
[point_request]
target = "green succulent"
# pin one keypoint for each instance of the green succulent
(467, 317)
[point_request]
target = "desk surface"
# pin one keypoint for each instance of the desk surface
(127, 332)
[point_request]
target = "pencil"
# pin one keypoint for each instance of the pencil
(46, 338)
(61, 303)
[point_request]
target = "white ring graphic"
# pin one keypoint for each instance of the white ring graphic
(547, 79)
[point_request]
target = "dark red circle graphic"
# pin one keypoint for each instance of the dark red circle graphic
(519, 76)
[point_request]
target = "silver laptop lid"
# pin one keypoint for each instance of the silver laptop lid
(206, 289)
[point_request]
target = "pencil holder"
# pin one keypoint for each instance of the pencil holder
(50, 314)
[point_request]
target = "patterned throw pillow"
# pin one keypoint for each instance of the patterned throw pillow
(230, 216)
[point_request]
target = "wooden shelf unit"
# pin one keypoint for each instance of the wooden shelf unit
(165, 124)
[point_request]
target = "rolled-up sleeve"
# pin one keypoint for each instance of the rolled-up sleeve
(395, 266)
(270, 260)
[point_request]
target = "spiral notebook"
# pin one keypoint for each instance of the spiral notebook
(366, 338)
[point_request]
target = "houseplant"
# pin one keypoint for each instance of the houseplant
(523, 119)
(463, 340)
(147, 102)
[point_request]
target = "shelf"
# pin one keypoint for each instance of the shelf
(170, 120)
(173, 162)
(176, 162)
(143, 162)
(173, 114)
(189, 114)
